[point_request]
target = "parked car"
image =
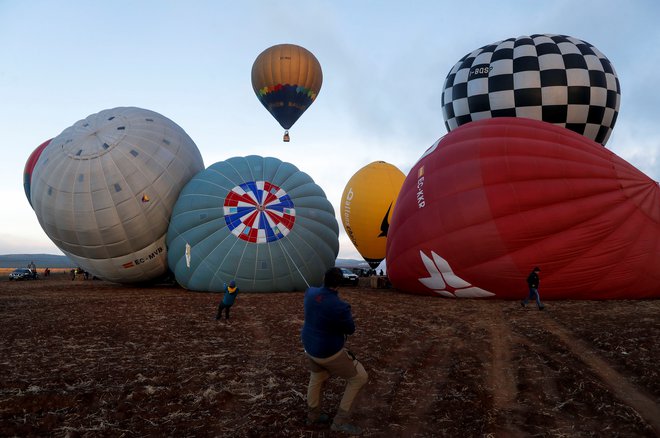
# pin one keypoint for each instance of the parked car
(349, 277)
(22, 274)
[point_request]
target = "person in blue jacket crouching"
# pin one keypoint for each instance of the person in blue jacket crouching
(328, 322)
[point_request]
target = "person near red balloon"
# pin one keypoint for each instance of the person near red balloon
(533, 283)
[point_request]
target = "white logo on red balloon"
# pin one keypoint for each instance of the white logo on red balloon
(444, 282)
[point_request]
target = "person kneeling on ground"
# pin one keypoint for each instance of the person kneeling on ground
(328, 321)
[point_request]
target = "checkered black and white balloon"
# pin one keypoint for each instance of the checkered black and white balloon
(554, 78)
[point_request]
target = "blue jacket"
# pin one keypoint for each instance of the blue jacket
(327, 322)
(230, 295)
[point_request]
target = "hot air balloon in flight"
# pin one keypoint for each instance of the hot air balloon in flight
(554, 78)
(29, 167)
(286, 79)
(103, 191)
(496, 197)
(256, 220)
(366, 208)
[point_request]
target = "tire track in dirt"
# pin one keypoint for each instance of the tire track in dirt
(501, 377)
(407, 383)
(430, 360)
(628, 393)
(501, 374)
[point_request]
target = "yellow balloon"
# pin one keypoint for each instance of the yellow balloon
(367, 205)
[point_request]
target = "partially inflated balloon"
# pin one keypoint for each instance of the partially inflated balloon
(104, 189)
(494, 198)
(286, 79)
(554, 78)
(366, 208)
(29, 167)
(256, 220)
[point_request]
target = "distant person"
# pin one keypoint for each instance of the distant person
(46, 272)
(533, 284)
(33, 269)
(228, 299)
(77, 272)
(328, 322)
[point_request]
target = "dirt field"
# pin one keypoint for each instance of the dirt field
(95, 359)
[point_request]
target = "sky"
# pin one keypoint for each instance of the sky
(384, 64)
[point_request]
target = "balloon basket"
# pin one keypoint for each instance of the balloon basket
(286, 137)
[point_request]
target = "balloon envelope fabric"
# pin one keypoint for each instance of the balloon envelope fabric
(256, 220)
(103, 191)
(29, 167)
(286, 79)
(496, 197)
(366, 208)
(555, 78)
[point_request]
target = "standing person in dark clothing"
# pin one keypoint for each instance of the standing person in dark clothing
(33, 269)
(533, 283)
(328, 322)
(228, 299)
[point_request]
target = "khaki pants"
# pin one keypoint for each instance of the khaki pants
(339, 364)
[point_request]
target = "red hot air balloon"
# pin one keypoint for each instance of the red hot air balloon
(496, 197)
(29, 167)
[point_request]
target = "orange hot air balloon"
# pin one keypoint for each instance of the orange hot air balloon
(366, 208)
(286, 79)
